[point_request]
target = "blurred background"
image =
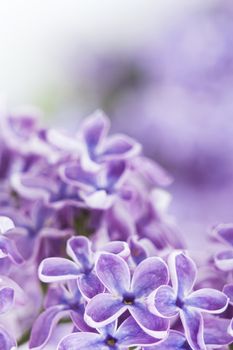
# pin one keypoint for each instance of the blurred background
(162, 70)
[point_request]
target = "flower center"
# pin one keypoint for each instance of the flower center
(110, 341)
(179, 303)
(128, 299)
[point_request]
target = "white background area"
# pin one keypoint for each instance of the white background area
(36, 34)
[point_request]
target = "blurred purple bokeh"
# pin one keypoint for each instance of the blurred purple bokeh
(175, 94)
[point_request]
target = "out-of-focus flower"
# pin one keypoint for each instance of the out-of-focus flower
(224, 259)
(8, 288)
(8, 249)
(166, 105)
(97, 189)
(60, 301)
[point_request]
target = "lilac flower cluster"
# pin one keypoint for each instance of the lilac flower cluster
(87, 240)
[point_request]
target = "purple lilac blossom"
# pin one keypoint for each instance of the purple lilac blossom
(90, 214)
(8, 288)
(128, 334)
(61, 300)
(126, 293)
(82, 269)
(180, 299)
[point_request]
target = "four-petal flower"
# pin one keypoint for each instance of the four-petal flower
(81, 268)
(169, 301)
(126, 293)
(109, 338)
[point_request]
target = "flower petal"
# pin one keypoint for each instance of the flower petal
(34, 187)
(162, 302)
(103, 309)
(149, 275)
(230, 328)
(77, 318)
(6, 299)
(208, 299)
(44, 325)
(81, 341)
(225, 233)
(6, 224)
(138, 251)
(90, 285)
(73, 174)
(120, 147)
(151, 324)
(55, 295)
(112, 175)
(95, 128)
(8, 248)
(174, 341)
(194, 328)
(228, 290)
(183, 273)
(57, 269)
(118, 248)
(79, 249)
(109, 329)
(152, 172)
(224, 260)
(215, 331)
(7, 342)
(130, 334)
(113, 272)
(98, 199)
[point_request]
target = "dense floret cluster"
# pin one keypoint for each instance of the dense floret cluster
(87, 241)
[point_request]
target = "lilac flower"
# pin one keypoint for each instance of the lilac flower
(118, 248)
(109, 337)
(22, 134)
(60, 301)
(7, 295)
(97, 147)
(129, 294)
(224, 259)
(154, 223)
(142, 214)
(44, 183)
(82, 269)
(83, 178)
(169, 301)
(113, 287)
(97, 189)
(215, 335)
(8, 249)
(36, 230)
